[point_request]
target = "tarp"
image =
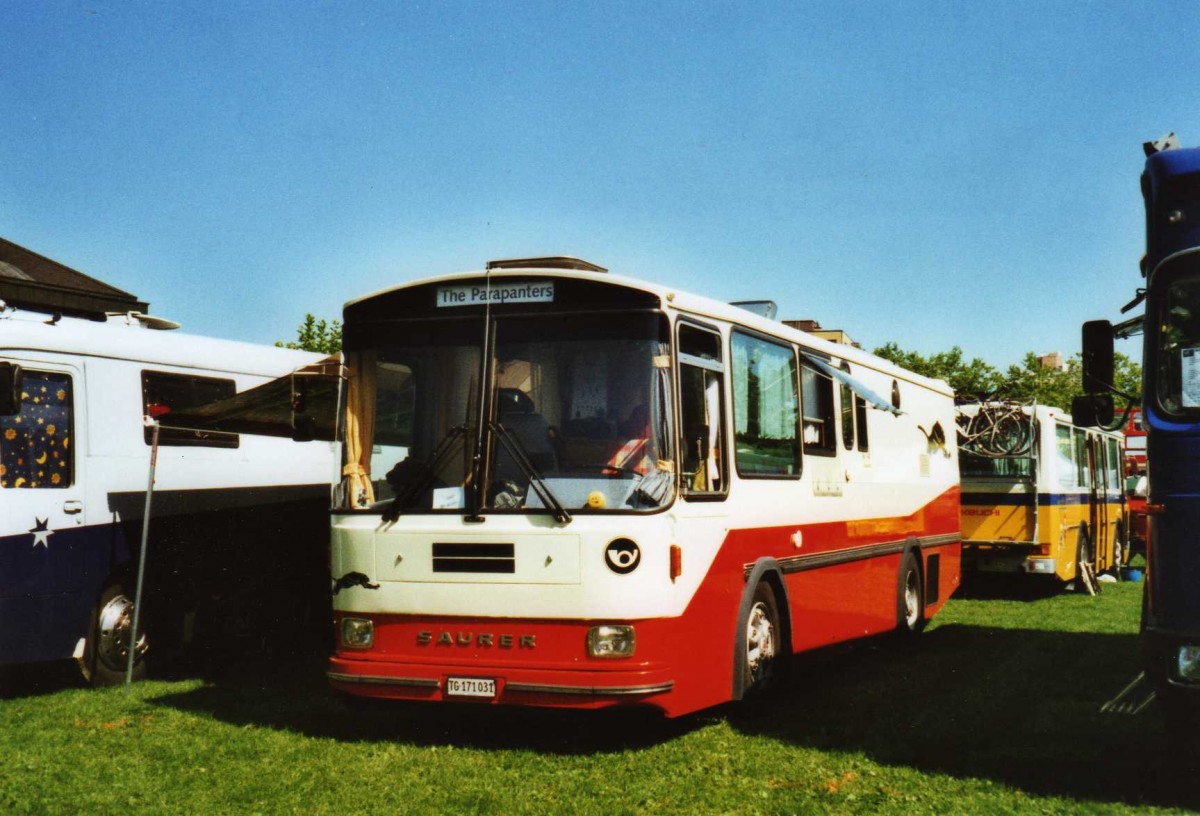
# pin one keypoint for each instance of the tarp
(300, 405)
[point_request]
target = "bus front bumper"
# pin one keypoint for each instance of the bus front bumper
(538, 663)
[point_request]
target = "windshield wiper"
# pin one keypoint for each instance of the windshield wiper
(429, 470)
(517, 451)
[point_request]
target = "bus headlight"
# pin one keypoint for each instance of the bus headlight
(358, 633)
(1187, 663)
(611, 641)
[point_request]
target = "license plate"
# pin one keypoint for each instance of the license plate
(470, 687)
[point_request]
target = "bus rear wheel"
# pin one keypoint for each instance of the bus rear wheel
(910, 609)
(106, 656)
(761, 642)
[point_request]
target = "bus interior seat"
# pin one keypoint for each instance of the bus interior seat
(517, 413)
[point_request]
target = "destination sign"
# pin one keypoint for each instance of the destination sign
(477, 295)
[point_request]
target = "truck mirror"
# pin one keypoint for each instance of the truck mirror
(12, 378)
(1097, 356)
(1091, 410)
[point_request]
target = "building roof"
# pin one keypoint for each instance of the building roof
(32, 281)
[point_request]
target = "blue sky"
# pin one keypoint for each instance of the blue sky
(936, 174)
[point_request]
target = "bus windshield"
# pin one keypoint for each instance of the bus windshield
(1179, 345)
(579, 407)
(974, 466)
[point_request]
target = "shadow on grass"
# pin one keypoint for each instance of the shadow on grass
(38, 679)
(1018, 707)
(1013, 587)
(297, 698)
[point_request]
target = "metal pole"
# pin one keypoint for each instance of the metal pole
(137, 598)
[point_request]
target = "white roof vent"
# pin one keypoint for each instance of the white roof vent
(554, 262)
(145, 320)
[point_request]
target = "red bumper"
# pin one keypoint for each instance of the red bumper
(539, 663)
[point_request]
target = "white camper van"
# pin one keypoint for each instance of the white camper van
(238, 523)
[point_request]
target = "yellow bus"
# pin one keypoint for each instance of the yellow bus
(1039, 494)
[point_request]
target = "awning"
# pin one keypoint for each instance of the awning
(301, 405)
(853, 383)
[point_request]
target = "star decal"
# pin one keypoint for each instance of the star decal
(42, 532)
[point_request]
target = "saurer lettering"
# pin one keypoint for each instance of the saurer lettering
(485, 640)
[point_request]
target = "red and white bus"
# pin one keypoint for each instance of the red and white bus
(567, 488)
(1135, 481)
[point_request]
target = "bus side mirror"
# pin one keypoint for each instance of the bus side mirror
(1097, 356)
(1091, 410)
(12, 378)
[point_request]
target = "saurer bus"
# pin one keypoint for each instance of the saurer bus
(233, 546)
(1040, 495)
(568, 488)
(1171, 417)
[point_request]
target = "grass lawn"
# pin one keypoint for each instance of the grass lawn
(994, 710)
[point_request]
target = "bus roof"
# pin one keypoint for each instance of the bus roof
(678, 300)
(1171, 187)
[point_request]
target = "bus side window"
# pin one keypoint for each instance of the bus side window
(701, 411)
(817, 401)
(37, 445)
(765, 404)
(860, 414)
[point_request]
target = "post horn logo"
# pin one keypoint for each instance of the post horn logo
(622, 556)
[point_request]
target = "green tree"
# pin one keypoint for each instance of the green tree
(316, 335)
(972, 377)
(1028, 381)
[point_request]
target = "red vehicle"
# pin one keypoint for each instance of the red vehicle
(1135, 481)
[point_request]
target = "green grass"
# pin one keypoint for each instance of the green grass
(994, 710)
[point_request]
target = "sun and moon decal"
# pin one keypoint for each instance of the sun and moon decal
(35, 444)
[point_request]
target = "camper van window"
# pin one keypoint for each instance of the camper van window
(163, 393)
(37, 446)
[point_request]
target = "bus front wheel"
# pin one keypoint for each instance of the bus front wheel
(106, 656)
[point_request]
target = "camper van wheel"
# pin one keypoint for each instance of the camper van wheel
(910, 611)
(762, 647)
(107, 651)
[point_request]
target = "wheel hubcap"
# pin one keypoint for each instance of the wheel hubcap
(116, 624)
(912, 600)
(760, 640)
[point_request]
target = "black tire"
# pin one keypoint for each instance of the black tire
(106, 655)
(761, 643)
(1120, 549)
(910, 598)
(1083, 555)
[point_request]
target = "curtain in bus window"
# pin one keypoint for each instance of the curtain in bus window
(36, 444)
(360, 428)
(712, 410)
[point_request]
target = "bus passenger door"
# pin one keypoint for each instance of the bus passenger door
(1098, 522)
(42, 553)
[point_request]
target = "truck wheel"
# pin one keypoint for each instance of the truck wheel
(761, 642)
(107, 651)
(910, 607)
